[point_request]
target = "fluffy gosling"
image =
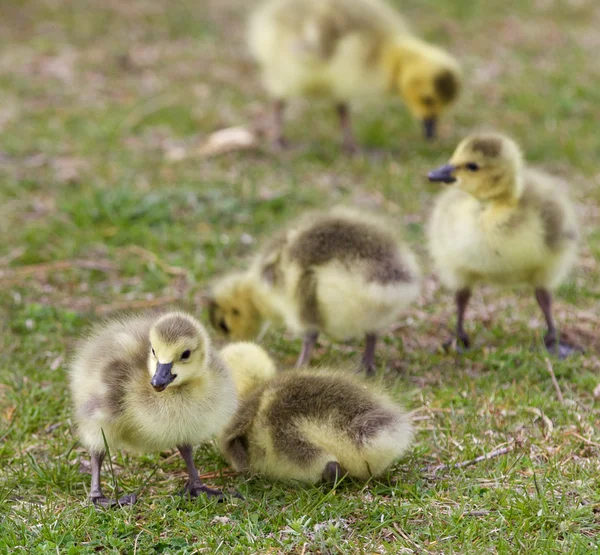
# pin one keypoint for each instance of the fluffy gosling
(312, 426)
(344, 273)
(501, 223)
(347, 49)
(251, 366)
(149, 383)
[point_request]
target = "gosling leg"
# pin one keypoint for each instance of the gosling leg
(96, 495)
(348, 142)
(462, 300)
(332, 472)
(551, 340)
(194, 486)
(368, 359)
(308, 342)
(279, 140)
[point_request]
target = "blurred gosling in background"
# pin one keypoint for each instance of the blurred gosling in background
(149, 383)
(316, 426)
(344, 272)
(501, 223)
(348, 49)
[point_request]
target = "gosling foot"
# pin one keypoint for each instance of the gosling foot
(103, 502)
(280, 144)
(561, 349)
(350, 148)
(195, 489)
(107, 503)
(463, 343)
(129, 499)
(332, 472)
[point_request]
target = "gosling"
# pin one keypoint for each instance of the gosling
(250, 365)
(344, 273)
(344, 50)
(313, 426)
(149, 383)
(501, 223)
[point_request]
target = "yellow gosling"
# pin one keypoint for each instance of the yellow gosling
(501, 223)
(149, 383)
(343, 50)
(312, 426)
(345, 273)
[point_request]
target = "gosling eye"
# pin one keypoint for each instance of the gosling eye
(235, 312)
(186, 354)
(427, 100)
(472, 166)
(153, 353)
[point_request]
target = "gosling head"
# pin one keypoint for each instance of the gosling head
(232, 310)
(488, 166)
(429, 83)
(178, 350)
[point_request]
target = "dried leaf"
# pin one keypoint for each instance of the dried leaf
(228, 140)
(597, 392)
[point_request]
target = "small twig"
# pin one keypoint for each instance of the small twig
(57, 266)
(481, 458)
(135, 304)
(218, 474)
(559, 394)
(412, 542)
(149, 256)
(585, 440)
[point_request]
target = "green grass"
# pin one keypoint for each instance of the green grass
(99, 98)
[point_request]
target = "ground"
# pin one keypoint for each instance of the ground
(107, 202)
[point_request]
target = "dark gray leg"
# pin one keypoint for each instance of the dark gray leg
(553, 344)
(194, 486)
(332, 472)
(308, 342)
(279, 140)
(462, 300)
(96, 495)
(368, 359)
(348, 143)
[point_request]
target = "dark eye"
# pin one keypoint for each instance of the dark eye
(185, 355)
(235, 312)
(153, 353)
(427, 100)
(472, 166)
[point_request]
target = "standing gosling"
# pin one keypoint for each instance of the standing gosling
(149, 383)
(348, 49)
(250, 366)
(344, 273)
(312, 426)
(501, 223)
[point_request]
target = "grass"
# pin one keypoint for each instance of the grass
(105, 203)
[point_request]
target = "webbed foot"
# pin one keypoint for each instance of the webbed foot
(561, 349)
(103, 502)
(195, 489)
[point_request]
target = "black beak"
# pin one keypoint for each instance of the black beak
(430, 128)
(224, 327)
(443, 174)
(162, 377)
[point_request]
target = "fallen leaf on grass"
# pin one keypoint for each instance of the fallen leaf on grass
(229, 140)
(597, 392)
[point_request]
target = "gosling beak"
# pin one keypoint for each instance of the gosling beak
(429, 128)
(162, 377)
(224, 327)
(443, 174)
